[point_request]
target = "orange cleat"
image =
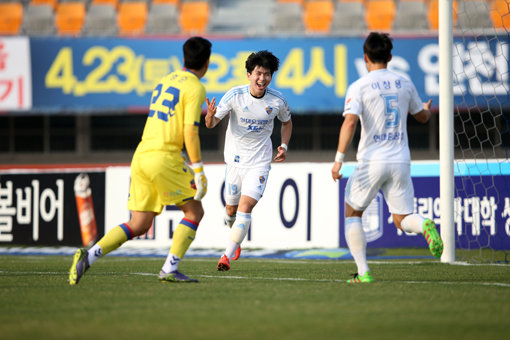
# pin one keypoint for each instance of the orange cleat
(223, 264)
(237, 253)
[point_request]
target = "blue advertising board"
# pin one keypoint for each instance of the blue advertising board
(481, 204)
(120, 73)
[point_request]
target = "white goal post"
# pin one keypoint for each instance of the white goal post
(446, 129)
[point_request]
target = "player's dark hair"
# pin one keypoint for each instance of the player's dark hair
(196, 51)
(263, 58)
(378, 47)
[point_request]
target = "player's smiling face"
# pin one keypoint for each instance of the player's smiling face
(259, 78)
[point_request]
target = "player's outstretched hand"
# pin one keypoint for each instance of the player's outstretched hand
(335, 171)
(210, 122)
(200, 180)
(211, 106)
(282, 154)
(427, 105)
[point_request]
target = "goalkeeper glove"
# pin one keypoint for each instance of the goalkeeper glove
(200, 180)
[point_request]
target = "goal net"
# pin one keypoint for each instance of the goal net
(481, 120)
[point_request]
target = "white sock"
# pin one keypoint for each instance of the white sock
(231, 248)
(238, 233)
(357, 243)
(171, 263)
(413, 224)
(229, 220)
(94, 253)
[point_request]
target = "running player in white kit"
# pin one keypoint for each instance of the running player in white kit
(381, 101)
(248, 148)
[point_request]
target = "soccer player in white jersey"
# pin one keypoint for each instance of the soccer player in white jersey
(381, 101)
(248, 148)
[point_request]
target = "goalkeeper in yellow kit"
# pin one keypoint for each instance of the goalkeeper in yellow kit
(159, 174)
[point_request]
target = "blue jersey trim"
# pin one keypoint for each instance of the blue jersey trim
(235, 91)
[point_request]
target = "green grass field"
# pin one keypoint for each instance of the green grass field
(121, 298)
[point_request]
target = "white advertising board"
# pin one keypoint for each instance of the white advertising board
(15, 74)
(299, 210)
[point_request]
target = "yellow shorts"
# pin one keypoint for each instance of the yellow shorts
(159, 179)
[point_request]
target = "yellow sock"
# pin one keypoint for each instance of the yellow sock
(115, 238)
(183, 236)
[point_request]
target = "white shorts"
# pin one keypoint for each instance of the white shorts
(393, 179)
(244, 181)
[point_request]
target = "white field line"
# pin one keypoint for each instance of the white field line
(231, 277)
(500, 284)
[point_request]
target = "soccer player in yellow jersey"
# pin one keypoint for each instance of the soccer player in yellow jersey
(159, 174)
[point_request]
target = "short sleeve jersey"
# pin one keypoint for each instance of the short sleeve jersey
(248, 136)
(176, 101)
(382, 100)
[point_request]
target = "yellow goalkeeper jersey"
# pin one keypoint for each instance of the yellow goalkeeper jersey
(176, 101)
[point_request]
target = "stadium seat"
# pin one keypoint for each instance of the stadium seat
(132, 17)
(241, 17)
(411, 15)
(101, 20)
(114, 3)
(39, 19)
(349, 17)
(176, 3)
(379, 14)
(500, 14)
(194, 17)
(318, 15)
(474, 14)
(287, 17)
(433, 14)
(163, 18)
(69, 18)
(301, 2)
(53, 3)
(11, 18)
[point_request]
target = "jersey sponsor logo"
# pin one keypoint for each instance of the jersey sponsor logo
(236, 158)
(395, 136)
(269, 109)
(178, 192)
(252, 127)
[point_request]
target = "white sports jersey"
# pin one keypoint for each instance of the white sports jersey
(248, 137)
(382, 100)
